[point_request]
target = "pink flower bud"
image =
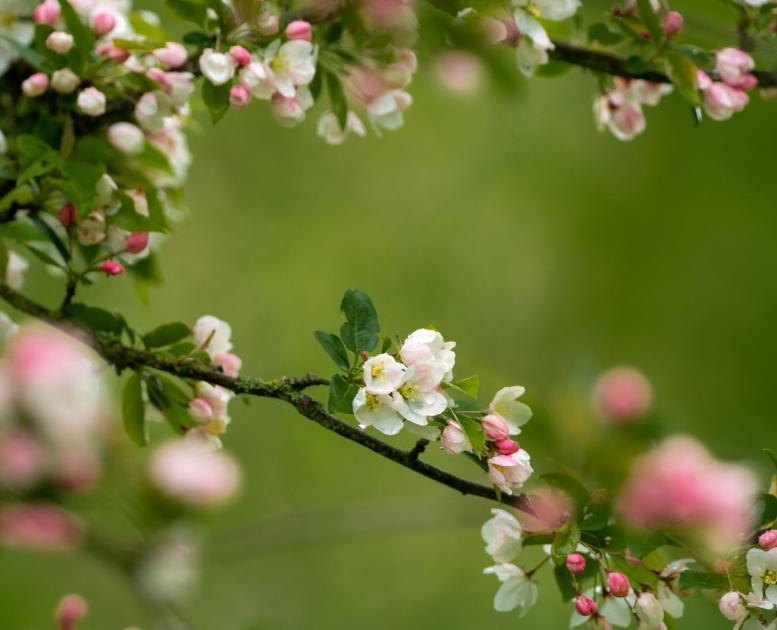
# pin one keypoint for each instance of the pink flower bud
(159, 77)
(576, 563)
(112, 268)
(103, 22)
(732, 607)
(287, 108)
(173, 55)
(299, 29)
(22, 460)
(239, 97)
(67, 214)
(495, 428)
(507, 446)
(673, 23)
(585, 606)
(267, 24)
(137, 242)
(240, 55)
(35, 85)
(109, 49)
(91, 102)
(47, 13)
(60, 42)
(38, 526)
(617, 584)
(768, 540)
(201, 410)
(230, 363)
(71, 609)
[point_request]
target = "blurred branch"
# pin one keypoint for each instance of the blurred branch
(288, 389)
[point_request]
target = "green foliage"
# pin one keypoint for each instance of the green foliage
(474, 430)
(341, 394)
(133, 410)
(360, 330)
(166, 335)
(333, 346)
(468, 386)
(216, 99)
(81, 32)
(95, 318)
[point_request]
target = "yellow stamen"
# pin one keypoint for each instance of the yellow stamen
(770, 577)
(371, 402)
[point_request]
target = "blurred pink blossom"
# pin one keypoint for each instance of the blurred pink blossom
(38, 526)
(680, 486)
(458, 71)
(71, 609)
(623, 394)
(190, 471)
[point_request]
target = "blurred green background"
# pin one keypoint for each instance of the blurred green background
(547, 251)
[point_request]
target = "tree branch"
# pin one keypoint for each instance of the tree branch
(286, 389)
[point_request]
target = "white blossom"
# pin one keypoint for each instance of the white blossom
(505, 405)
(217, 67)
(376, 410)
(502, 534)
(382, 374)
(516, 591)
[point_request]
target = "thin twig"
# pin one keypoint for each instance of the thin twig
(287, 389)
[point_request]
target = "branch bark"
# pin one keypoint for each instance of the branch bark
(287, 389)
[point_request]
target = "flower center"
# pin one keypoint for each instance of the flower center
(533, 9)
(377, 371)
(371, 401)
(770, 577)
(409, 391)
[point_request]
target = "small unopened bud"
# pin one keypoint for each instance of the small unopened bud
(732, 607)
(67, 214)
(103, 22)
(47, 13)
(109, 49)
(60, 42)
(299, 29)
(768, 540)
(268, 24)
(240, 55)
(495, 428)
(364, 355)
(35, 85)
(64, 81)
(585, 606)
(576, 563)
(673, 23)
(137, 242)
(239, 97)
(91, 102)
(71, 609)
(126, 137)
(507, 447)
(618, 584)
(230, 363)
(112, 268)
(173, 55)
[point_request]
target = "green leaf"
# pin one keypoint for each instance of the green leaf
(474, 431)
(152, 157)
(25, 52)
(191, 10)
(701, 579)
(166, 335)
(360, 331)
(566, 540)
(128, 218)
(595, 517)
(80, 183)
(642, 543)
(650, 20)
(766, 506)
(337, 98)
(95, 318)
(44, 257)
(81, 32)
(46, 229)
(216, 99)
(341, 394)
(133, 410)
(564, 582)
(772, 457)
(333, 346)
(683, 73)
(571, 486)
(468, 386)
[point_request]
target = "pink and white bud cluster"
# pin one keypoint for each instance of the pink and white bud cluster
(210, 405)
(620, 109)
(509, 466)
(53, 405)
(724, 98)
(411, 390)
(681, 486)
(382, 88)
(39, 525)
